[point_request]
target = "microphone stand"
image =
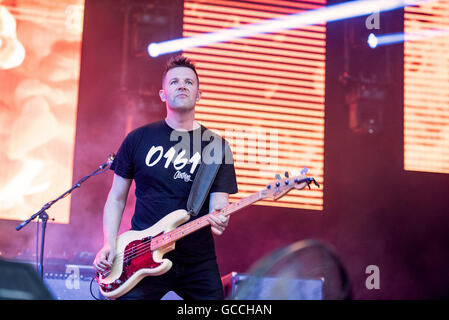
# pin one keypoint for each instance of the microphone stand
(43, 216)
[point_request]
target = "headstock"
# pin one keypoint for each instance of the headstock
(279, 187)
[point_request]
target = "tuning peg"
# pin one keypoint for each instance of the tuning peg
(278, 177)
(286, 174)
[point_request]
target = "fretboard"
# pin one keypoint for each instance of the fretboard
(182, 231)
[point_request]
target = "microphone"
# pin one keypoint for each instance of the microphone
(109, 161)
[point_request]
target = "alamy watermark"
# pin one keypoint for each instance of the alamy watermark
(373, 21)
(73, 279)
(373, 280)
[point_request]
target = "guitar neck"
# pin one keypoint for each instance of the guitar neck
(185, 229)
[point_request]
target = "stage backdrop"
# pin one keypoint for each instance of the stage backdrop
(40, 52)
(370, 209)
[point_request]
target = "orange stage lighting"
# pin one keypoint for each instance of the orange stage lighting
(40, 53)
(426, 90)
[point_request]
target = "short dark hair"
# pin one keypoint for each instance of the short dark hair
(180, 61)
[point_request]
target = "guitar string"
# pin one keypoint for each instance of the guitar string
(143, 248)
(185, 228)
(245, 201)
(146, 248)
(194, 224)
(164, 236)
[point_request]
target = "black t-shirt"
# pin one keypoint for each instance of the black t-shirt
(157, 158)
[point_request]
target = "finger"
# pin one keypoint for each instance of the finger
(110, 258)
(96, 263)
(216, 222)
(221, 217)
(224, 219)
(213, 219)
(217, 231)
(104, 262)
(102, 265)
(98, 267)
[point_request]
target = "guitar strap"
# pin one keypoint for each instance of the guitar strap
(205, 176)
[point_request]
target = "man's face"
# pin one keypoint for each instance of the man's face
(180, 89)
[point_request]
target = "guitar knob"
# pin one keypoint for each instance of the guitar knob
(286, 181)
(269, 186)
(278, 184)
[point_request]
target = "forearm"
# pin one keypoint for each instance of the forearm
(112, 217)
(218, 200)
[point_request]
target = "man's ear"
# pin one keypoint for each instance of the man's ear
(162, 95)
(198, 95)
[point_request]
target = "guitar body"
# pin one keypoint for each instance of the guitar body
(129, 268)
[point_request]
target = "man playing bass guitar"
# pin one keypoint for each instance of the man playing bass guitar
(163, 177)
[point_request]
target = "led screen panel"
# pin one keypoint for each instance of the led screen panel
(40, 50)
(426, 88)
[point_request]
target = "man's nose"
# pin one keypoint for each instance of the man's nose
(182, 85)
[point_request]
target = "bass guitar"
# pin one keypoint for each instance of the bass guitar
(141, 253)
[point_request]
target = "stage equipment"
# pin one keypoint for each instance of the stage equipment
(145, 21)
(294, 289)
(367, 76)
(365, 101)
(307, 269)
(42, 213)
(20, 281)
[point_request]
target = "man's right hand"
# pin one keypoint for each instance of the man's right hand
(104, 259)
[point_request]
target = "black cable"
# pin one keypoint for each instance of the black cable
(37, 243)
(90, 288)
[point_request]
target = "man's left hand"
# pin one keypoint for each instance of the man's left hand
(218, 222)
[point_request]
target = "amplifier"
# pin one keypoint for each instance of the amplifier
(20, 281)
(72, 282)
